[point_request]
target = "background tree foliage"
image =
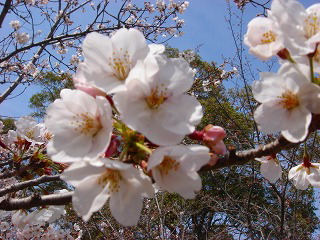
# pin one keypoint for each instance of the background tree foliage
(235, 202)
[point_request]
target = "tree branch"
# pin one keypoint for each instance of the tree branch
(35, 201)
(242, 157)
(4, 11)
(33, 182)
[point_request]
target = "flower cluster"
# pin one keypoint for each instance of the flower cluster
(290, 97)
(131, 91)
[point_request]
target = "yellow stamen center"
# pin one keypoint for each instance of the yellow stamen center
(111, 177)
(312, 26)
(48, 135)
(167, 165)
(156, 98)
(289, 100)
(268, 37)
(87, 124)
(30, 133)
(121, 64)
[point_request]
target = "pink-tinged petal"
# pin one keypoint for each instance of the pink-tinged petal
(213, 160)
(89, 196)
(271, 171)
(219, 148)
(84, 84)
(214, 133)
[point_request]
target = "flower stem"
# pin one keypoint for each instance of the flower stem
(143, 147)
(312, 70)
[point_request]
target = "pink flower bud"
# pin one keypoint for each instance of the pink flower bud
(214, 133)
(113, 146)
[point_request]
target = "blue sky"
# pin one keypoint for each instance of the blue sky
(205, 26)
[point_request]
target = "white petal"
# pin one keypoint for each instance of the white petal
(299, 178)
(126, 205)
(314, 177)
(89, 196)
(195, 156)
(270, 87)
(185, 184)
(97, 48)
(180, 114)
(77, 171)
(297, 129)
(271, 117)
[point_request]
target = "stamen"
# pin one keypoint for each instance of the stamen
(312, 26)
(87, 124)
(289, 100)
(268, 37)
(167, 165)
(156, 98)
(111, 177)
(121, 64)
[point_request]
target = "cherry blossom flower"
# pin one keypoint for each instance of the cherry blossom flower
(49, 215)
(81, 125)
(109, 60)
(305, 174)
(263, 38)
(288, 98)
(270, 168)
(15, 24)
(86, 85)
(22, 38)
(124, 184)
(29, 129)
(154, 101)
(300, 26)
(174, 168)
(20, 218)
